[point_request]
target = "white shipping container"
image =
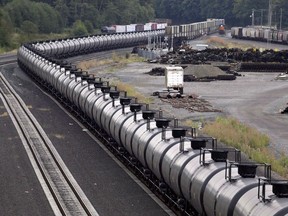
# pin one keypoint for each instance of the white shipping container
(174, 77)
(131, 28)
(161, 25)
(267, 34)
(147, 27)
(120, 28)
(245, 32)
(285, 36)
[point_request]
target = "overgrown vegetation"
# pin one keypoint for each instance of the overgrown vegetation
(32, 18)
(235, 12)
(132, 92)
(247, 139)
(221, 43)
(116, 62)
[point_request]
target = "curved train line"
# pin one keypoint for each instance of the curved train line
(179, 164)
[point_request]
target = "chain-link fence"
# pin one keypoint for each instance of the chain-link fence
(151, 54)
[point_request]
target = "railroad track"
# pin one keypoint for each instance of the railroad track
(8, 59)
(63, 192)
(8, 62)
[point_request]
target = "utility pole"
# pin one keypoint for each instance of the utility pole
(253, 17)
(270, 14)
(261, 17)
(281, 15)
(269, 23)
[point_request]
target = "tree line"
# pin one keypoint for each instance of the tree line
(26, 18)
(235, 12)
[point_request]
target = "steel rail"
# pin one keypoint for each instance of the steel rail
(8, 62)
(59, 181)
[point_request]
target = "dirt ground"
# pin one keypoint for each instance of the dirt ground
(255, 98)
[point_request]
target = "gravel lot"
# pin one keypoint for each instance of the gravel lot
(254, 98)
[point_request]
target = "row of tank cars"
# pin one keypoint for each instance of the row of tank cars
(75, 46)
(194, 175)
(260, 33)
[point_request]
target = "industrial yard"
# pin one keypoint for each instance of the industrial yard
(143, 108)
(244, 98)
(251, 98)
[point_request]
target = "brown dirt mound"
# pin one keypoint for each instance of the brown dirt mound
(191, 103)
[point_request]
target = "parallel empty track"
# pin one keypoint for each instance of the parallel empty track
(63, 192)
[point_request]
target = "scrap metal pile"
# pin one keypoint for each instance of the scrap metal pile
(200, 73)
(218, 64)
(251, 59)
(285, 110)
(191, 103)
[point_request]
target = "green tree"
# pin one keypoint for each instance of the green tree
(89, 26)
(43, 15)
(29, 27)
(5, 29)
(242, 9)
(79, 29)
(62, 8)
(190, 11)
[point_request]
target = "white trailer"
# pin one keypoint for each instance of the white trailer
(174, 83)
(174, 78)
(120, 28)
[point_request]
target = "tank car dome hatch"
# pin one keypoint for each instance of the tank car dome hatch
(162, 123)
(77, 73)
(85, 76)
(91, 80)
(66, 65)
(178, 132)
(125, 101)
(247, 170)
(135, 107)
(219, 155)
(197, 143)
(105, 89)
(98, 84)
(148, 114)
(114, 94)
(280, 189)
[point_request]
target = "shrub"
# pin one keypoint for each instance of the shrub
(247, 139)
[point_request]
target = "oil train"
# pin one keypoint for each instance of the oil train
(260, 34)
(88, 44)
(193, 175)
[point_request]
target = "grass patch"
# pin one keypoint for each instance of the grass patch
(247, 139)
(221, 43)
(117, 61)
(131, 92)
